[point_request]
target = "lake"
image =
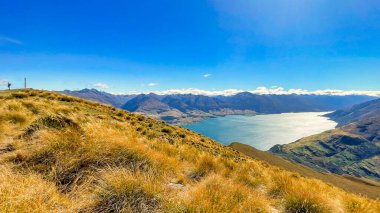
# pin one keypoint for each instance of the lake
(263, 131)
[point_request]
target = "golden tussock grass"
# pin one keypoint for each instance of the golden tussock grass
(65, 154)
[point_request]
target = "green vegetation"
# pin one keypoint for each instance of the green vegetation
(65, 154)
(353, 150)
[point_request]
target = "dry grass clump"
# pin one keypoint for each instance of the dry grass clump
(50, 121)
(205, 165)
(122, 191)
(354, 204)
(14, 117)
(66, 158)
(31, 107)
(29, 193)
(216, 194)
(68, 154)
(304, 195)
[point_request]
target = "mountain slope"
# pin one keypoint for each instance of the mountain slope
(195, 102)
(151, 105)
(349, 183)
(352, 149)
(146, 103)
(357, 112)
(102, 97)
(64, 154)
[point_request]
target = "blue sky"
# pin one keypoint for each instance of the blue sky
(125, 45)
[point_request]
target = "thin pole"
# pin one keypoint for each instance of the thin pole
(25, 83)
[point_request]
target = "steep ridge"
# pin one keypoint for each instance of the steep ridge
(357, 112)
(352, 149)
(65, 154)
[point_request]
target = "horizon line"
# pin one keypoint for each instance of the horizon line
(258, 91)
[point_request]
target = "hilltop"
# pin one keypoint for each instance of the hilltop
(66, 154)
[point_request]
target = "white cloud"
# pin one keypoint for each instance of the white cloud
(101, 86)
(261, 91)
(152, 84)
(4, 40)
(207, 75)
(3, 82)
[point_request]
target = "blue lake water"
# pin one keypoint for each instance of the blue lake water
(263, 131)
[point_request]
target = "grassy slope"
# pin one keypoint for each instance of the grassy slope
(348, 183)
(59, 153)
(353, 149)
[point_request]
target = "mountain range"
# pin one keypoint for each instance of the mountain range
(184, 108)
(99, 96)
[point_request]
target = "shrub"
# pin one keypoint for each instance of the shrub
(166, 130)
(66, 99)
(120, 114)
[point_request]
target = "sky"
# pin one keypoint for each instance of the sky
(209, 45)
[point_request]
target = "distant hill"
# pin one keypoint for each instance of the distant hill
(152, 106)
(357, 112)
(186, 108)
(352, 149)
(102, 97)
(148, 103)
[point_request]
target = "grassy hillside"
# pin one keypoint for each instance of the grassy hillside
(357, 112)
(64, 154)
(349, 183)
(353, 149)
